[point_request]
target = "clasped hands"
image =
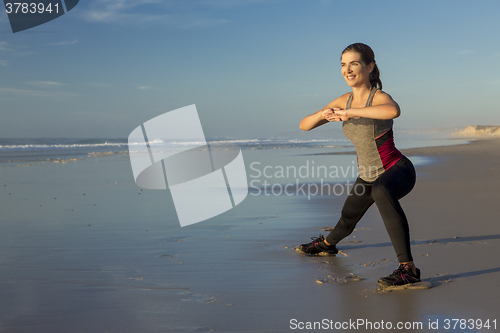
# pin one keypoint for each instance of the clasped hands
(335, 114)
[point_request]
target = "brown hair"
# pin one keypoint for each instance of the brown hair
(368, 57)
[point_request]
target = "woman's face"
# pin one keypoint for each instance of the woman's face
(354, 70)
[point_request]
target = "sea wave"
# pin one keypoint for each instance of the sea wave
(34, 147)
(122, 144)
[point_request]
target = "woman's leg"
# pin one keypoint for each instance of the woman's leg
(355, 206)
(358, 201)
(391, 186)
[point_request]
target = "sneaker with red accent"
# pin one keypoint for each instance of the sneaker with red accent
(317, 246)
(402, 275)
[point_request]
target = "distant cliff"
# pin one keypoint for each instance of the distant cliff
(479, 131)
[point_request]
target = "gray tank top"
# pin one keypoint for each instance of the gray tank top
(374, 142)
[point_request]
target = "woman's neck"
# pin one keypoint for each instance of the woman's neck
(361, 93)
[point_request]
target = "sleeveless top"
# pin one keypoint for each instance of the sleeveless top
(374, 142)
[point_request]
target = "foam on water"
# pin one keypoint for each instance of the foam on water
(321, 141)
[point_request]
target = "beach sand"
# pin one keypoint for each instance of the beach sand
(84, 250)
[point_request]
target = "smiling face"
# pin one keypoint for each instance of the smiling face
(355, 71)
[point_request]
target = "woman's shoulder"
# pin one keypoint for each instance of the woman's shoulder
(346, 95)
(381, 97)
(339, 102)
(342, 100)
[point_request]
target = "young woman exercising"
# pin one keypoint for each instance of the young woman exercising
(385, 175)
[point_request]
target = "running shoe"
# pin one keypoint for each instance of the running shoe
(402, 275)
(317, 246)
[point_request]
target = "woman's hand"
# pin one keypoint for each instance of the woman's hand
(325, 115)
(342, 114)
(335, 114)
(329, 115)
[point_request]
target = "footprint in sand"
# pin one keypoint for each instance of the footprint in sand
(330, 279)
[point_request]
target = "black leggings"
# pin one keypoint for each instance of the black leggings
(385, 191)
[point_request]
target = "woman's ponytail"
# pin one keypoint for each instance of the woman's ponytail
(375, 78)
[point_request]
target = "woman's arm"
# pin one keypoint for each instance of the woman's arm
(324, 115)
(384, 107)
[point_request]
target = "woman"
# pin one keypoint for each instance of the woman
(385, 175)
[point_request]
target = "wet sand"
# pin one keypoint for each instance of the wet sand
(84, 250)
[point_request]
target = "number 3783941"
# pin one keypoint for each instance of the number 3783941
(30, 8)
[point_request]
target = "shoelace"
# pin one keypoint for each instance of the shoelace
(398, 272)
(317, 239)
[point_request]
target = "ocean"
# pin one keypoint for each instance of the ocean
(40, 150)
(269, 161)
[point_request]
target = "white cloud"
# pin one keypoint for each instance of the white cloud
(3, 46)
(4, 63)
(237, 3)
(175, 14)
(181, 21)
(147, 88)
(463, 52)
(36, 93)
(185, 14)
(99, 85)
(124, 4)
(73, 42)
(112, 11)
(45, 83)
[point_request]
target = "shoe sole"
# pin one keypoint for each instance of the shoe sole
(416, 286)
(385, 283)
(298, 249)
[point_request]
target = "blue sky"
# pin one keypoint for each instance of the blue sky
(253, 68)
